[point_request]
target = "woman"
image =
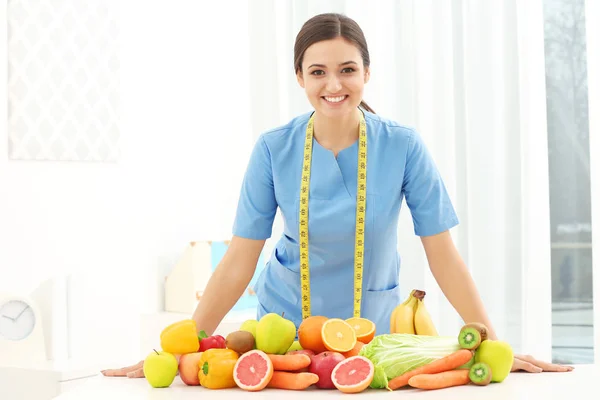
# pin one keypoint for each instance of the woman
(348, 170)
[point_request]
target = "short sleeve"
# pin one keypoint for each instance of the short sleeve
(425, 193)
(257, 205)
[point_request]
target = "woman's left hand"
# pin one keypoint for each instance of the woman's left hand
(530, 364)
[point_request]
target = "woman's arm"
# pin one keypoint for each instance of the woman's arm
(224, 288)
(227, 283)
(453, 277)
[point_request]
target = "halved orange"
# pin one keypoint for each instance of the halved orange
(365, 328)
(338, 335)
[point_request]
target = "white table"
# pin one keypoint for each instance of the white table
(581, 383)
(45, 380)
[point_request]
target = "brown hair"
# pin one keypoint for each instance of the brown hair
(326, 27)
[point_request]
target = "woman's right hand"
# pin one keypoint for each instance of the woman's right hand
(133, 371)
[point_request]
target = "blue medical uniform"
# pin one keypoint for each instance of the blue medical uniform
(398, 167)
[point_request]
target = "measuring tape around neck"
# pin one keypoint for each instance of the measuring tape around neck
(361, 188)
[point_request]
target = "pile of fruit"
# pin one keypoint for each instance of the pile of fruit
(330, 353)
(265, 354)
(478, 360)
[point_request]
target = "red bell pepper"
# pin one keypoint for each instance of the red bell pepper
(210, 342)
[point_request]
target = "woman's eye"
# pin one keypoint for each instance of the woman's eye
(317, 72)
(348, 70)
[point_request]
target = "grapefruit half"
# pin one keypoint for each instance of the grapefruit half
(353, 375)
(253, 370)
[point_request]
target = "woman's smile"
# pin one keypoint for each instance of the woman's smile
(335, 100)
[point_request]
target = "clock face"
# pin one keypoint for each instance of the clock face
(17, 320)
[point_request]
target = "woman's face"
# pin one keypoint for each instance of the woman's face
(333, 76)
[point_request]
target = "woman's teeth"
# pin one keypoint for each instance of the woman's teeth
(335, 99)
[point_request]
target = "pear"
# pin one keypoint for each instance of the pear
(275, 334)
(498, 355)
(295, 346)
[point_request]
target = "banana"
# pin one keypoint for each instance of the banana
(402, 318)
(412, 316)
(395, 313)
(423, 322)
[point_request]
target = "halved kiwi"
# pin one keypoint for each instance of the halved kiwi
(480, 374)
(471, 335)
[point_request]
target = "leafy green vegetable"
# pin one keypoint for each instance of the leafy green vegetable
(380, 380)
(396, 353)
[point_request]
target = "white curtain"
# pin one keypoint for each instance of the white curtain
(469, 75)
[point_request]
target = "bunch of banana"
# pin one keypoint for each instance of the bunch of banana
(412, 317)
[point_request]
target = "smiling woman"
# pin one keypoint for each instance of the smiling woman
(334, 89)
(331, 61)
(339, 174)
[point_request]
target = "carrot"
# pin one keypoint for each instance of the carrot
(456, 377)
(447, 363)
(289, 362)
(292, 380)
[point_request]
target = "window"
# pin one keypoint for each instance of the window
(570, 196)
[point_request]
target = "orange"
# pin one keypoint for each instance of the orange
(338, 335)
(365, 328)
(355, 350)
(353, 375)
(309, 333)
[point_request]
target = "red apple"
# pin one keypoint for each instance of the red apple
(308, 352)
(323, 364)
(189, 366)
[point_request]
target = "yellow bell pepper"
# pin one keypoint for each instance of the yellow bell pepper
(216, 368)
(180, 337)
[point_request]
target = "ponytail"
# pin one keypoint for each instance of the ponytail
(366, 107)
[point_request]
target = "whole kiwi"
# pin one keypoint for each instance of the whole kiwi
(240, 341)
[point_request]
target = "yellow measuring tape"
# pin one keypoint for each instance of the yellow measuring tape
(361, 188)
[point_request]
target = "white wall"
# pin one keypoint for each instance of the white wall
(184, 148)
(184, 90)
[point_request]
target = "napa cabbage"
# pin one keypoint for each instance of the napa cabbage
(396, 353)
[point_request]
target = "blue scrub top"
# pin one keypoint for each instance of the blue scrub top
(399, 167)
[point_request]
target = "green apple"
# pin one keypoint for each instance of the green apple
(160, 369)
(498, 355)
(250, 326)
(275, 334)
(295, 346)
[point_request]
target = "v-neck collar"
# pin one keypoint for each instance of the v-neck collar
(344, 150)
(334, 162)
